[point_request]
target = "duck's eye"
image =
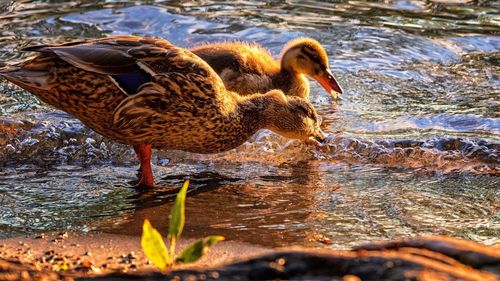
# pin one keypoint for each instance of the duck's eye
(303, 110)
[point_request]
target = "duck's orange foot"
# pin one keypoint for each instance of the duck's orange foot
(142, 185)
(145, 174)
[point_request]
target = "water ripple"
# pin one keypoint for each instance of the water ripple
(415, 146)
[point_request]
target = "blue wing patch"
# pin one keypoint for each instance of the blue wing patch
(132, 81)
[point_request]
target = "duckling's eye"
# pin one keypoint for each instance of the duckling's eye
(301, 57)
(313, 116)
(316, 59)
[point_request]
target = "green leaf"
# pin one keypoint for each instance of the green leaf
(196, 250)
(177, 215)
(153, 246)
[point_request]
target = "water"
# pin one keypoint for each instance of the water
(416, 137)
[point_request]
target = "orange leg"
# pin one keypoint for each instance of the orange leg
(145, 174)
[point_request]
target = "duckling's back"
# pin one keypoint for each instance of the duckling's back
(245, 68)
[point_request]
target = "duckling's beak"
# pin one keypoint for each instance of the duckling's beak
(328, 82)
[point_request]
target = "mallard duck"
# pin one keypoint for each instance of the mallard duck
(248, 68)
(149, 93)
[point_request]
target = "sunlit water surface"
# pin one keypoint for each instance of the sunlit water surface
(416, 136)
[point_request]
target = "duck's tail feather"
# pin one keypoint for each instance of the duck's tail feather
(25, 78)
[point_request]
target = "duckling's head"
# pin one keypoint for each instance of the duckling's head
(292, 117)
(307, 56)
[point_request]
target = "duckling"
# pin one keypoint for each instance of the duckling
(247, 68)
(148, 93)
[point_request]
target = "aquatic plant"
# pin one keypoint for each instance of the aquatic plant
(154, 247)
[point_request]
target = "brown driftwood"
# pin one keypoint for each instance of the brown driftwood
(467, 252)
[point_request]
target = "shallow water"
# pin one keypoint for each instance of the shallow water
(416, 136)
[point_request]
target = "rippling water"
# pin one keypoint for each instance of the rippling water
(416, 137)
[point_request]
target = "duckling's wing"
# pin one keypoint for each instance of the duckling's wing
(245, 68)
(238, 57)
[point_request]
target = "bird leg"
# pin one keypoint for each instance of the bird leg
(145, 173)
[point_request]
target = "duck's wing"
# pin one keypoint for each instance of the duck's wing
(135, 116)
(173, 102)
(130, 61)
(106, 56)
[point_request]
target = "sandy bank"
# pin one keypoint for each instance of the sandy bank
(101, 256)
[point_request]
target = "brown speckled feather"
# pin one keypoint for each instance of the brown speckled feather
(112, 55)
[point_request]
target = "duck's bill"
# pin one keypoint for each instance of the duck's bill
(320, 138)
(329, 83)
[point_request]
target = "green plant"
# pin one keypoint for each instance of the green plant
(154, 247)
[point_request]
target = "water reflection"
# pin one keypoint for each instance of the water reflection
(416, 137)
(253, 203)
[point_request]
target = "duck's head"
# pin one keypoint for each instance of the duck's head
(307, 56)
(292, 117)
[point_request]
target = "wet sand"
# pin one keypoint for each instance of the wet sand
(101, 256)
(100, 253)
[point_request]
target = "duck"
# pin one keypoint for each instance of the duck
(248, 68)
(151, 94)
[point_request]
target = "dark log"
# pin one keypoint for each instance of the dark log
(467, 252)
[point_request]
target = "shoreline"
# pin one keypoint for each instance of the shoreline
(100, 253)
(102, 256)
